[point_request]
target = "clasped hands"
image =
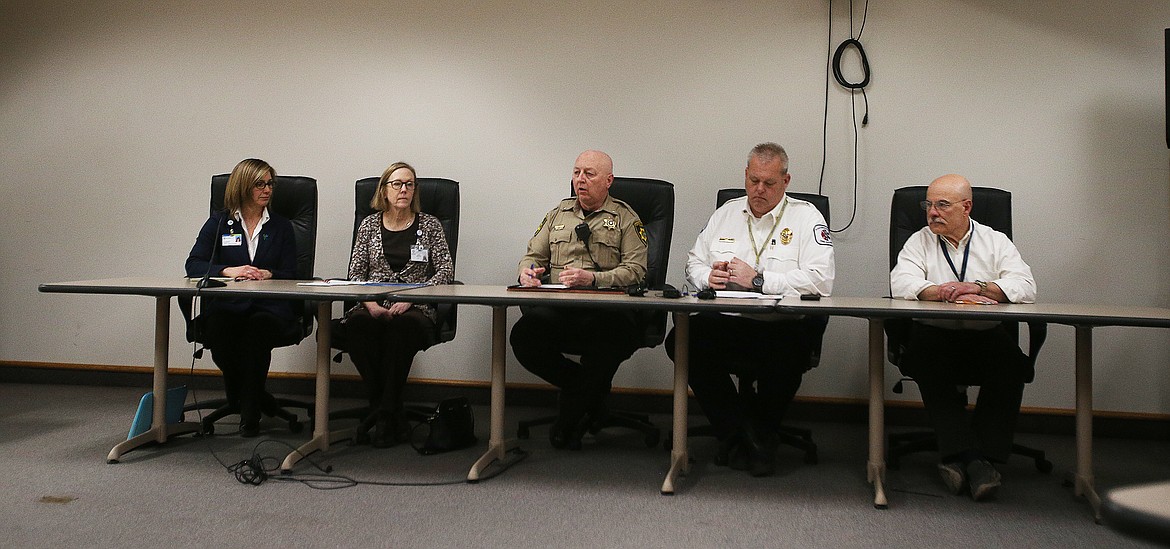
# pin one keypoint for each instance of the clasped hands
(731, 274)
(966, 292)
(378, 311)
(247, 272)
(571, 277)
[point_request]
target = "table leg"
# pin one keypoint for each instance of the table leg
(498, 447)
(876, 467)
(680, 463)
(322, 438)
(159, 430)
(1083, 480)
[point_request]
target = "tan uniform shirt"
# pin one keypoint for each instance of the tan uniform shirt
(617, 243)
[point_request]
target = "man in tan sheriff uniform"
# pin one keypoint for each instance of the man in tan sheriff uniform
(591, 240)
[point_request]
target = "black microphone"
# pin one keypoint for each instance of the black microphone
(583, 233)
(206, 281)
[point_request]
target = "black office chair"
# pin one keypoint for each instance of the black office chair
(788, 435)
(653, 200)
(440, 198)
(991, 207)
(294, 198)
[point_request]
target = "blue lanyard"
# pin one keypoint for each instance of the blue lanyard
(966, 254)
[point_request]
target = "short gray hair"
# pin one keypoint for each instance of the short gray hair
(768, 151)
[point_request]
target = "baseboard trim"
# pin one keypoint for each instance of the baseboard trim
(899, 413)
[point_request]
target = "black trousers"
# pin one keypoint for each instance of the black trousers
(241, 346)
(943, 362)
(604, 339)
(383, 351)
(774, 354)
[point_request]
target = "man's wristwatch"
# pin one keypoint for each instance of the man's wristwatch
(982, 286)
(758, 283)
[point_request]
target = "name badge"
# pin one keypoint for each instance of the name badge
(231, 240)
(419, 253)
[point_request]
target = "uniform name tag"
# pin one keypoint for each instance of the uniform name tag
(419, 253)
(231, 240)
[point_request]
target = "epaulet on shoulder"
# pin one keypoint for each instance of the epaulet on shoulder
(570, 201)
(621, 202)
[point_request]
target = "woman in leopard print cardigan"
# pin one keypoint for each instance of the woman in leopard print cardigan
(398, 243)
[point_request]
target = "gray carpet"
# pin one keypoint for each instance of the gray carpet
(59, 491)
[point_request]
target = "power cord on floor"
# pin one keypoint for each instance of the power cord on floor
(257, 469)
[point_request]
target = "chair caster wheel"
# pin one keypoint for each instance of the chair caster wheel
(111, 461)
(522, 433)
(1044, 466)
(208, 428)
(295, 426)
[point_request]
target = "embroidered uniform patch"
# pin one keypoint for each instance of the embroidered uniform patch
(641, 230)
(822, 235)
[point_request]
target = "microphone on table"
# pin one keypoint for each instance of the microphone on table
(206, 281)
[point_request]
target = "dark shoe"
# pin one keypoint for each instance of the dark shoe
(385, 435)
(739, 457)
(953, 476)
(361, 433)
(571, 423)
(727, 447)
(983, 478)
(761, 452)
(250, 428)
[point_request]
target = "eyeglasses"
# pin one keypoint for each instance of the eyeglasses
(942, 205)
(264, 184)
(398, 185)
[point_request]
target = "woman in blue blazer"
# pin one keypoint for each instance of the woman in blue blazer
(245, 241)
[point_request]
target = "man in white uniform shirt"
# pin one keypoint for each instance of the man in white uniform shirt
(956, 259)
(764, 242)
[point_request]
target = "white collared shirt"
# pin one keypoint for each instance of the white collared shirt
(993, 258)
(254, 238)
(796, 259)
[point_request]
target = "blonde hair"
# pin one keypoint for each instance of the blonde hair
(245, 175)
(379, 202)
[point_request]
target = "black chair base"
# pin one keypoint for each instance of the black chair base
(220, 409)
(795, 437)
(651, 434)
(900, 444)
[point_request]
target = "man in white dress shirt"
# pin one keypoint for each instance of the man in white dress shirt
(769, 243)
(956, 259)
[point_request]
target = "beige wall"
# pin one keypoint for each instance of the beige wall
(115, 114)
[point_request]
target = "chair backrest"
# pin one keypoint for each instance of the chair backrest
(653, 201)
(991, 207)
(438, 197)
(814, 325)
(819, 200)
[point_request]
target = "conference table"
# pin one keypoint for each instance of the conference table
(1081, 317)
(164, 288)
